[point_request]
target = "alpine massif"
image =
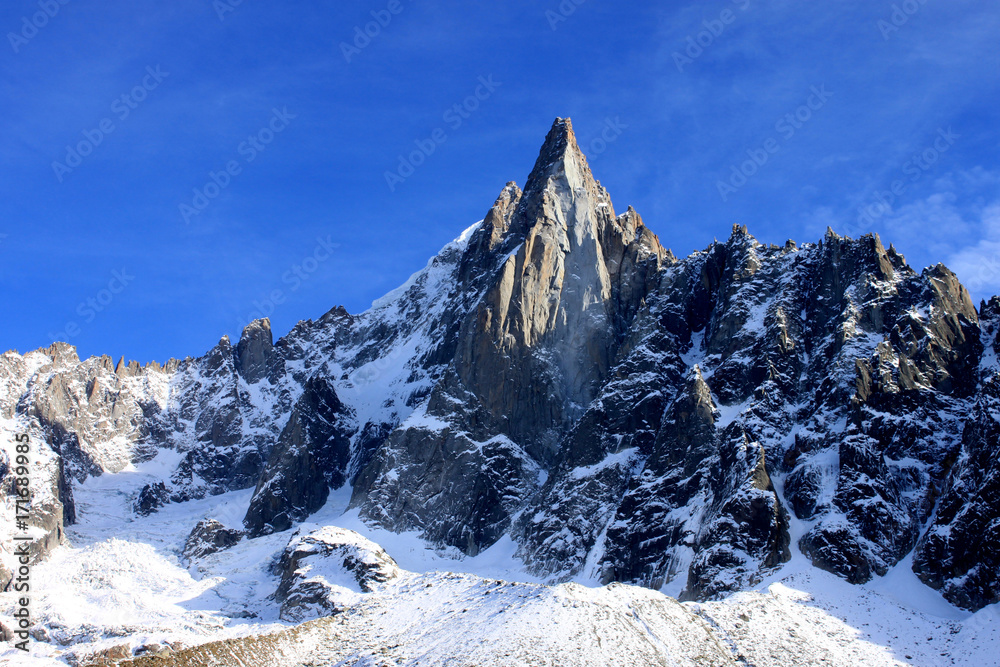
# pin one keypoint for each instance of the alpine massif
(556, 386)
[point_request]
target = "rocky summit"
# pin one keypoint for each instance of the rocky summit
(556, 378)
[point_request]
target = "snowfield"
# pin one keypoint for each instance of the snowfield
(121, 582)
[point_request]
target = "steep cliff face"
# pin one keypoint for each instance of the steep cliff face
(556, 376)
(561, 297)
(309, 459)
(958, 554)
(780, 337)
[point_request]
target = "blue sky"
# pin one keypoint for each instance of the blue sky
(837, 101)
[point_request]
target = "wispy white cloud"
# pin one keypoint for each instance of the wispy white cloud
(978, 265)
(936, 222)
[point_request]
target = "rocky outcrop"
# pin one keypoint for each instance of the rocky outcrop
(447, 473)
(255, 352)
(327, 569)
(96, 415)
(219, 455)
(151, 498)
(209, 537)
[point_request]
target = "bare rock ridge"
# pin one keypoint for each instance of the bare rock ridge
(557, 377)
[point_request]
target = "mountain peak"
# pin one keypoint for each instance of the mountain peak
(559, 150)
(561, 133)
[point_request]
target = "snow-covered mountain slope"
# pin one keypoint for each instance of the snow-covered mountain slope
(123, 590)
(557, 394)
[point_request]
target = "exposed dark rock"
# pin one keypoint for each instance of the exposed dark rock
(255, 352)
(151, 498)
(309, 460)
(209, 537)
(448, 474)
(326, 569)
(959, 553)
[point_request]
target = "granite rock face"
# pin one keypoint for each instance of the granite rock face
(555, 376)
(309, 460)
(255, 353)
(447, 473)
(558, 301)
(561, 277)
